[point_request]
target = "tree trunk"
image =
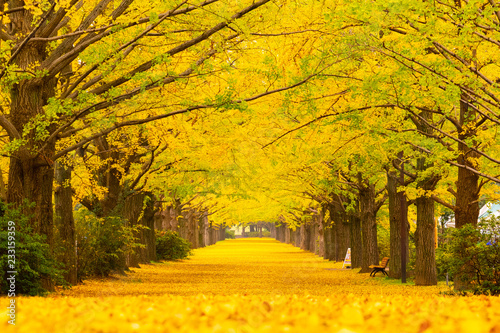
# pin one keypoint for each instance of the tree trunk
(31, 169)
(210, 236)
(313, 236)
(342, 236)
(467, 204)
(329, 245)
(191, 220)
(345, 239)
(425, 266)
(132, 212)
(201, 229)
(138, 214)
(298, 238)
(65, 223)
(148, 234)
(3, 188)
(222, 232)
(321, 234)
(356, 241)
(206, 229)
(304, 237)
(394, 227)
(367, 206)
(292, 236)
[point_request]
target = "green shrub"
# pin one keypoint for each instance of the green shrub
(472, 255)
(171, 246)
(102, 244)
(32, 259)
(443, 255)
(230, 234)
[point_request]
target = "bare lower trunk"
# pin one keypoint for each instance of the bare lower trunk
(3, 189)
(329, 245)
(321, 234)
(367, 206)
(191, 225)
(342, 236)
(395, 227)
(312, 236)
(304, 237)
(65, 223)
(356, 241)
(298, 236)
(140, 212)
(425, 265)
(467, 204)
(206, 229)
(292, 236)
(287, 235)
(467, 194)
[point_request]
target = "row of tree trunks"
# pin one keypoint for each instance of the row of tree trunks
(319, 235)
(192, 225)
(338, 232)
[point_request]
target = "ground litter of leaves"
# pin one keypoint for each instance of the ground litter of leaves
(252, 285)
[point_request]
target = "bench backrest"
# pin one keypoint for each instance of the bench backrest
(384, 262)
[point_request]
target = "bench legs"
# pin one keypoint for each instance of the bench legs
(376, 270)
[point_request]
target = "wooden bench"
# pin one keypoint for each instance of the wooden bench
(380, 268)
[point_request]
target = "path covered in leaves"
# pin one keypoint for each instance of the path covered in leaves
(253, 285)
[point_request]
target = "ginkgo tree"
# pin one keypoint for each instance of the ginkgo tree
(74, 72)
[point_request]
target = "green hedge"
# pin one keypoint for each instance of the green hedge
(27, 254)
(171, 246)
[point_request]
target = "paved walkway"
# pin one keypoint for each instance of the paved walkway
(239, 266)
(251, 285)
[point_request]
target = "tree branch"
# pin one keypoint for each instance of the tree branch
(170, 114)
(27, 39)
(496, 180)
(444, 203)
(326, 116)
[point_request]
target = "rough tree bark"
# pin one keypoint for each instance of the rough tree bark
(425, 265)
(31, 174)
(467, 194)
(356, 240)
(304, 237)
(287, 234)
(139, 211)
(467, 203)
(395, 226)
(368, 209)
(64, 222)
(328, 237)
(313, 236)
(321, 227)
